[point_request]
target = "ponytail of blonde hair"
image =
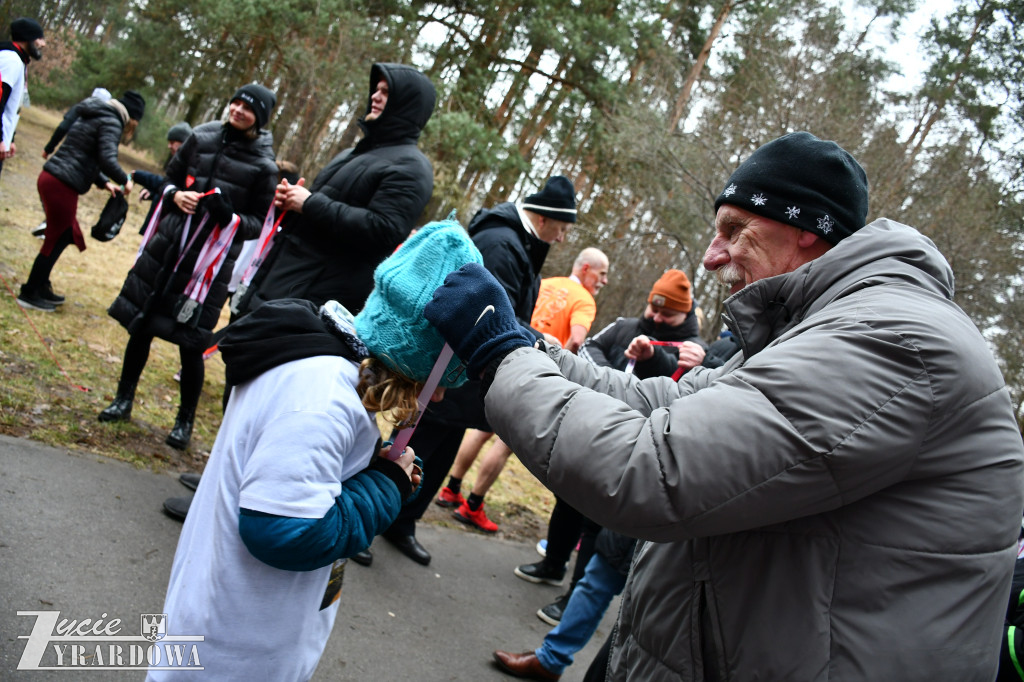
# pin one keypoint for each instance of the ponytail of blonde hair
(385, 391)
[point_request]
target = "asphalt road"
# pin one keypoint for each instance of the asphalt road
(84, 535)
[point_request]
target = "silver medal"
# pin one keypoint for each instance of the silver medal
(188, 308)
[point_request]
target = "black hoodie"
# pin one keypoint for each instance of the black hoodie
(512, 254)
(411, 99)
(364, 204)
(279, 332)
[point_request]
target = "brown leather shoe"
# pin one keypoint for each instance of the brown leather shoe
(523, 665)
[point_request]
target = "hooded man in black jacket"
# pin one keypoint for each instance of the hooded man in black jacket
(361, 206)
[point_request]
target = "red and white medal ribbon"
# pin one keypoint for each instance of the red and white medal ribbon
(675, 375)
(211, 259)
(676, 344)
(153, 222)
(266, 240)
(209, 262)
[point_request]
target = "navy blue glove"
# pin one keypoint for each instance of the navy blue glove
(472, 312)
(219, 208)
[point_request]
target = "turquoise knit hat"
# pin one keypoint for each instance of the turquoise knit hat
(392, 324)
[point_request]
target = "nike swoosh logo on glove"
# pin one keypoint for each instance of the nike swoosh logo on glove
(488, 309)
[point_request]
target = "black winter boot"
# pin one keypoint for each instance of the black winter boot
(32, 299)
(48, 295)
(121, 409)
(181, 434)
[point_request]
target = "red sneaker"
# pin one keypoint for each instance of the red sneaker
(478, 519)
(449, 499)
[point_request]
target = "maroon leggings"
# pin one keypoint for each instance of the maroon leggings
(60, 204)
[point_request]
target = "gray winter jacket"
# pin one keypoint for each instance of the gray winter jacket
(842, 504)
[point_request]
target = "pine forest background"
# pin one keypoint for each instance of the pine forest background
(647, 105)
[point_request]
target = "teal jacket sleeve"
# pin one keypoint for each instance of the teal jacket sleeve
(368, 504)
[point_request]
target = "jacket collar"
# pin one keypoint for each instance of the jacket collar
(883, 252)
(119, 108)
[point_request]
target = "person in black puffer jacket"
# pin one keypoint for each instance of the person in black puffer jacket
(88, 157)
(361, 206)
(222, 181)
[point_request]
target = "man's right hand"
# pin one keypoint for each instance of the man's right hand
(289, 197)
(187, 200)
(640, 349)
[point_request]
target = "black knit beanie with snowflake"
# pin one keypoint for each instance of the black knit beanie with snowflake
(797, 179)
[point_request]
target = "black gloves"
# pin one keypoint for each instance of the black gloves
(219, 208)
(472, 312)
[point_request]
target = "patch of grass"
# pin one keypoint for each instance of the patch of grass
(46, 360)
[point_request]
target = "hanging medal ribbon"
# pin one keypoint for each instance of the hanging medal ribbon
(208, 263)
(259, 254)
(433, 379)
(153, 222)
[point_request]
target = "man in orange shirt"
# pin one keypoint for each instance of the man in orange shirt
(565, 306)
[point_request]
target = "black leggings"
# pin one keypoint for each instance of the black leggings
(193, 372)
(39, 277)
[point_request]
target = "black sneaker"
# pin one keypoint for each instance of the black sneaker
(177, 507)
(34, 301)
(552, 613)
(48, 295)
(189, 480)
(541, 572)
(39, 230)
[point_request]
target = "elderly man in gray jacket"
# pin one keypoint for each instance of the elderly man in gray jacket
(841, 501)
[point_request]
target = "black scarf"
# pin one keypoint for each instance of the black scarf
(282, 331)
(8, 45)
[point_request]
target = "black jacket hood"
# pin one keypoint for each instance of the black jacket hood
(282, 331)
(507, 215)
(411, 98)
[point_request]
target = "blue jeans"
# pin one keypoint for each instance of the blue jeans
(587, 604)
